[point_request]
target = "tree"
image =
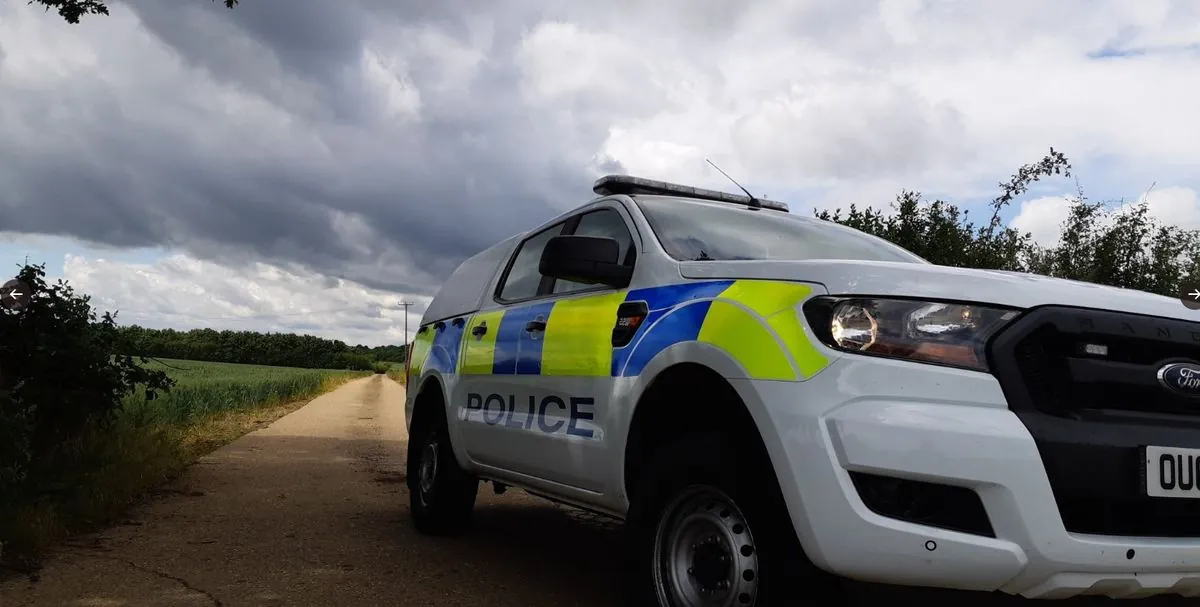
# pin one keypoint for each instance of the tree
(61, 380)
(1120, 245)
(944, 235)
(73, 10)
(1114, 244)
(250, 347)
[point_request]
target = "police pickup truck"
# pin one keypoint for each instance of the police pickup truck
(772, 403)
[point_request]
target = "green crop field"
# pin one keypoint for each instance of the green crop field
(204, 388)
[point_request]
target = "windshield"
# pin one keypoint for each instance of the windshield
(695, 230)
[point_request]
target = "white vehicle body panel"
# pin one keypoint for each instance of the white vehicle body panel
(467, 288)
(882, 278)
(462, 294)
(954, 427)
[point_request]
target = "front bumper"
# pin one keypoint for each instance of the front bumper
(950, 427)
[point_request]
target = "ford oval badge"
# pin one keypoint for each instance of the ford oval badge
(1181, 378)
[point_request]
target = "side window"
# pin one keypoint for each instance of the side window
(523, 277)
(605, 222)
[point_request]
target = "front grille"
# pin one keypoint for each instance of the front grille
(1141, 517)
(1073, 362)
(1092, 410)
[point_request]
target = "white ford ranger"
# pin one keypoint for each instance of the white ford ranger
(768, 399)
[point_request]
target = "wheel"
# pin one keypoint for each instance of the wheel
(441, 493)
(707, 526)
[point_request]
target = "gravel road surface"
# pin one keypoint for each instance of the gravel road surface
(312, 510)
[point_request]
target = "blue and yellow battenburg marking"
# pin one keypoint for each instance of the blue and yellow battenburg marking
(754, 321)
(437, 346)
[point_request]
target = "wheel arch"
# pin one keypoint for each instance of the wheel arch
(739, 411)
(432, 395)
(678, 398)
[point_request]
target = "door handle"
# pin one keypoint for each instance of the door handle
(535, 325)
(479, 329)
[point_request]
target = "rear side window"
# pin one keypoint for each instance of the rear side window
(523, 278)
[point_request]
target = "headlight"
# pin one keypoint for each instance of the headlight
(951, 334)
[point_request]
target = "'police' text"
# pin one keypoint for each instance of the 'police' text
(552, 415)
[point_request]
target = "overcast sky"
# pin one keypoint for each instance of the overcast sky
(305, 169)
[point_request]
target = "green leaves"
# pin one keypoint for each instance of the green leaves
(61, 380)
(1120, 245)
(250, 347)
(1113, 244)
(73, 10)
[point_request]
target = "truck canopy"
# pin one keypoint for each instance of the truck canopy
(465, 290)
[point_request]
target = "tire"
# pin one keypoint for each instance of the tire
(707, 525)
(441, 493)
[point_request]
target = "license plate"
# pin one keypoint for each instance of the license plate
(1173, 472)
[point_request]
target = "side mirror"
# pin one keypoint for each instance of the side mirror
(585, 259)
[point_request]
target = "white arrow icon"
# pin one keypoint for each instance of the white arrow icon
(1195, 294)
(16, 294)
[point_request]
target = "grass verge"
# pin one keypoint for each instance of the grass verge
(149, 444)
(396, 373)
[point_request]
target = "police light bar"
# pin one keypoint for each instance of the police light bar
(632, 186)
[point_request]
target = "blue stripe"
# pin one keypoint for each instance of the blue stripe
(660, 301)
(529, 357)
(517, 352)
(680, 324)
(443, 353)
(670, 296)
(504, 361)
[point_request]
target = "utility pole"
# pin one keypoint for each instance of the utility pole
(405, 305)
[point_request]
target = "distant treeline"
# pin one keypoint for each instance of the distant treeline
(250, 347)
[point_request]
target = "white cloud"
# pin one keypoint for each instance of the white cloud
(182, 292)
(841, 130)
(1043, 217)
(931, 95)
(564, 62)
(841, 101)
(389, 79)
(1175, 206)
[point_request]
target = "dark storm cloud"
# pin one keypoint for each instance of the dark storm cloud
(473, 169)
